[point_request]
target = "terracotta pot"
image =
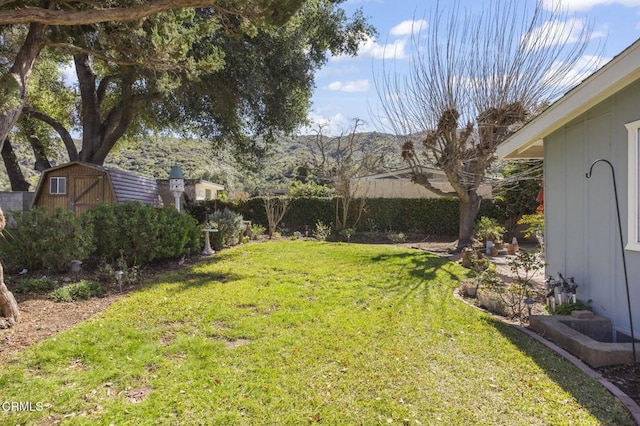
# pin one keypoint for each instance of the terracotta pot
(512, 249)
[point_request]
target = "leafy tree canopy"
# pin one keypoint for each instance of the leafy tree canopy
(188, 70)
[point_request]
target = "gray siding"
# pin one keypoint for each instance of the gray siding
(581, 224)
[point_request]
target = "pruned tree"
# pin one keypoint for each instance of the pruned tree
(341, 159)
(473, 79)
(276, 208)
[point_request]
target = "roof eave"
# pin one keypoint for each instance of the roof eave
(618, 73)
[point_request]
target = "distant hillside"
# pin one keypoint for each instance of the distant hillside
(154, 156)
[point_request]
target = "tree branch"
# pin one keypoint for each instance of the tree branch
(58, 127)
(117, 14)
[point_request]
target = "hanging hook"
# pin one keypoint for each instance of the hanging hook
(624, 259)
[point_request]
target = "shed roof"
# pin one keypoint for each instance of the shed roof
(617, 74)
(131, 187)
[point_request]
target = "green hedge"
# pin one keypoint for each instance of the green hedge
(433, 216)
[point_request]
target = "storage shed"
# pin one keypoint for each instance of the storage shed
(81, 186)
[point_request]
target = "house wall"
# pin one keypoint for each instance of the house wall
(404, 188)
(581, 228)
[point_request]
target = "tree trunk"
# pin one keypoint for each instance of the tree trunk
(18, 77)
(469, 209)
(16, 177)
(100, 133)
(9, 313)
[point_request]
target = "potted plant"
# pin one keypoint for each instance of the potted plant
(489, 231)
(512, 249)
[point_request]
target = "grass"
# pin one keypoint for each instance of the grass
(298, 332)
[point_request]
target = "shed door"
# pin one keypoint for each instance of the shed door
(88, 193)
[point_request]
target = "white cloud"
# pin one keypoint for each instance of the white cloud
(349, 86)
(371, 48)
(409, 27)
(556, 32)
(331, 126)
(582, 5)
(586, 66)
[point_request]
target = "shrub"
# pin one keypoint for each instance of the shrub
(141, 233)
(567, 308)
(229, 226)
(81, 290)
(177, 231)
(309, 189)
(438, 216)
(35, 285)
(257, 231)
(322, 231)
(48, 241)
(489, 229)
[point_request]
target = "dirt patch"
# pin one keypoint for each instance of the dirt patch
(43, 318)
(625, 377)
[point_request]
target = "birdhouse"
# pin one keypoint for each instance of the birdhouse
(176, 179)
(176, 184)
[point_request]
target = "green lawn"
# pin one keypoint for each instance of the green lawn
(300, 332)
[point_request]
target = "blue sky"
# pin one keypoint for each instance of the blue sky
(345, 88)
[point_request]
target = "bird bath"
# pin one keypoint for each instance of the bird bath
(207, 242)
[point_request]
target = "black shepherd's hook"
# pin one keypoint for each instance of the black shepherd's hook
(624, 260)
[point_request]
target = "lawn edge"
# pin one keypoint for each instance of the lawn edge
(625, 400)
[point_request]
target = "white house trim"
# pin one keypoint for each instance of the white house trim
(633, 242)
(611, 78)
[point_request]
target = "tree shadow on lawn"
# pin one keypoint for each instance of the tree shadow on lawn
(430, 270)
(550, 362)
(189, 278)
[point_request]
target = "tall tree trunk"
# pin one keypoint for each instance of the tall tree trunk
(16, 177)
(9, 313)
(469, 208)
(42, 161)
(15, 81)
(99, 132)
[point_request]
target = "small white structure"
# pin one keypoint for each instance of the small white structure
(195, 191)
(176, 184)
(398, 184)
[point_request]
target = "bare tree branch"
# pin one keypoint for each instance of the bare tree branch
(473, 79)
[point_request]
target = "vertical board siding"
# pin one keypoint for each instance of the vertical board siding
(89, 185)
(581, 229)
